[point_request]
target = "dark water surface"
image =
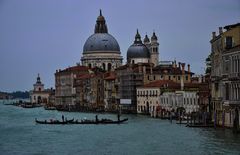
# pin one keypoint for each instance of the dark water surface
(19, 134)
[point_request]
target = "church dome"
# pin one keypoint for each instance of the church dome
(101, 42)
(138, 49)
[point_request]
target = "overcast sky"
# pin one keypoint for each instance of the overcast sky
(40, 36)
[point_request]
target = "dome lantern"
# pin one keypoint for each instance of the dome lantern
(101, 26)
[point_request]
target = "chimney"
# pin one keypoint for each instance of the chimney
(188, 68)
(220, 30)
(179, 65)
(183, 68)
(189, 73)
(213, 35)
(182, 79)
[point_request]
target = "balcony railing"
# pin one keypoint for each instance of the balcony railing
(234, 75)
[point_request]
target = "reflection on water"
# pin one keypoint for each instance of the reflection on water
(141, 135)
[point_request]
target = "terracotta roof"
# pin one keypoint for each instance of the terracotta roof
(75, 68)
(111, 77)
(163, 83)
(85, 76)
(161, 69)
(133, 66)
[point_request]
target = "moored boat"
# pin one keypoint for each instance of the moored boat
(49, 108)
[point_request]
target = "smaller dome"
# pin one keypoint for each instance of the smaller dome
(138, 51)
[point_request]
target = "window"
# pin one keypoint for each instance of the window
(104, 67)
(169, 77)
(109, 66)
(179, 78)
(186, 78)
(229, 42)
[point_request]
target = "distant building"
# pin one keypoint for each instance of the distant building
(4, 96)
(225, 75)
(39, 95)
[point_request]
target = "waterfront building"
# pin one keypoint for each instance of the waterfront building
(39, 95)
(225, 73)
(161, 97)
(65, 93)
(101, 49)
(90, 90)
(168, 70)
(110, 91)
(129, 77)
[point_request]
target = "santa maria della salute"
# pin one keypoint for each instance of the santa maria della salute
(103, 83)
(102, 50)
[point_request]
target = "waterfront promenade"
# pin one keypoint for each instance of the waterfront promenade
(19, 134)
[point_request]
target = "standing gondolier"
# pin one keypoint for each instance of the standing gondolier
(118, 116)
(62, 118)
(96, 118)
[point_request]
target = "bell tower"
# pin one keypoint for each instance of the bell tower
(154, 50)
(38, 86)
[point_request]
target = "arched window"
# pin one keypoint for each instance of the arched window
(90, 65)
(133, 62)
(103, 66)
(109, 66)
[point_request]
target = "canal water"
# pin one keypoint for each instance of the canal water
(19, 134)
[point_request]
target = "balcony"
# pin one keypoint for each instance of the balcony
(216, 78)
(234, 76)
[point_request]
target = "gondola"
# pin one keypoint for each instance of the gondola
(54, 121)
(103, 121)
